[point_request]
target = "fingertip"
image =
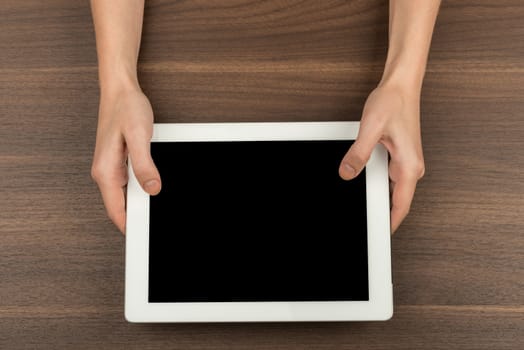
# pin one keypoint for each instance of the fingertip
(397, 216)
(355, 160)
(394, 227)
(114, 201)
(122, 228)
(346, 171)
(118, 218)
(401, 197)
(152, 186)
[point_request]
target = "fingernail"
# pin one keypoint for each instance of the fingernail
(349, 170)
(150, 185)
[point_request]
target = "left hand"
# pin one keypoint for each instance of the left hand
(391, 116)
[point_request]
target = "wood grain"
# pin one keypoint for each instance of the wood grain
(412, 328)
(458, 260)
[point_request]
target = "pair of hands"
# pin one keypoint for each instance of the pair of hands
(125, 126)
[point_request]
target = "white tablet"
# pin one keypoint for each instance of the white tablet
(253, 223)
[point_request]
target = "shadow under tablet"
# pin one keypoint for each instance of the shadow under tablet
(256, 221)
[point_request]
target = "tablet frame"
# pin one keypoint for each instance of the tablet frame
(380, 304)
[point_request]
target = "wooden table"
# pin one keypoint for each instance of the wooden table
(458, 259)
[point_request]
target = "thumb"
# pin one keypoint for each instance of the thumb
(358, 155)
(143, 165)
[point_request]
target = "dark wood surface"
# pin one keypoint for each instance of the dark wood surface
(458, 260)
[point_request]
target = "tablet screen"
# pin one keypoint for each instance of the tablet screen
(256, 221)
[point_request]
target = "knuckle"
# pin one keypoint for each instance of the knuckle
(419, 168)
(415, 169)
(422, 171)
(105, 173)
(96, 172)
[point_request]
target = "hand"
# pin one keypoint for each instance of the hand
(125, 126)
(391, 117)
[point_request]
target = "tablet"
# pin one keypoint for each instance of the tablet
(253, 223)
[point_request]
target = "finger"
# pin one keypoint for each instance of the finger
(402, 196)
(113, 196)
(111, 182)
(142, 163)
(358, 155)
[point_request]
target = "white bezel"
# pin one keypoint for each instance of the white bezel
(380, 304)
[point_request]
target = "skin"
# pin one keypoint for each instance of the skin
(391, 114)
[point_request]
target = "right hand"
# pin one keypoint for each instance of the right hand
(391, 117)
(125, 126)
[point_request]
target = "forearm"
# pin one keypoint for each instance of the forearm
(410, 30)
(118, 28)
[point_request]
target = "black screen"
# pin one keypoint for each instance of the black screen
(256, 221)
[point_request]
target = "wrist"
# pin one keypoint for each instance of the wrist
(404, 79)
(117, 81)
(404, 71)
